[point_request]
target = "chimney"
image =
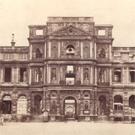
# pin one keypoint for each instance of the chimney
(13, 41)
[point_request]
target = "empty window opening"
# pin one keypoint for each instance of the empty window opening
(6, 105)
(117, 75)
(38, 53)
(8, 75)
(22, 74)
(132, 75)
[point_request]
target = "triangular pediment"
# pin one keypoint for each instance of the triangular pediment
(69, 31)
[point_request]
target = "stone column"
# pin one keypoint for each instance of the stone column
(95, 50)
(29, 104)
(44, 99)
(91, 75)
(123, 75)
(45, 50)
(91, 49)
(30, 75)
(59, 47)
(126, 105)
(58, 74)
(45, 73)
(81, 74)
(81, 43)
(110, 52)
(81, 103)
(48, 74)
(14, 101)
(13, 75)
(58, 103)
(95, 75)
(30, 51)
(49, 49)
(2, 74)
(127, 76)
(17, 74)
(110, 75)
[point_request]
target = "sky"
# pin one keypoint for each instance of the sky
(16, 15)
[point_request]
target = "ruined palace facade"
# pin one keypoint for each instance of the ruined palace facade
(70, 70)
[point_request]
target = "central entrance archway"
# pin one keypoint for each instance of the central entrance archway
(70, 108)
(37, 104)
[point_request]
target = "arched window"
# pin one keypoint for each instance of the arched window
(38, 53)
(86, 105)
(86, 52)
(132, 101)
(102, 53)
(70, 50)
(118, 99)
(86, 75)
(22, 105)
(54, 51)
(6, 105)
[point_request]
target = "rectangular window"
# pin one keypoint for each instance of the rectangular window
(39, 32)
(22, 74)
(101, 32)
(132, 74)
(117, 75)
(8, 75)
(70, 75)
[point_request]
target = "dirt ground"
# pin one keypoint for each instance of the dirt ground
(67, 128)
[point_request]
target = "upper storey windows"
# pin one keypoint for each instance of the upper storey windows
(37, 51)
(101, 32)
(39, 32)
(104, 31)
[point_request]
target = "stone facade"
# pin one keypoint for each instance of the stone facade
(70, 70)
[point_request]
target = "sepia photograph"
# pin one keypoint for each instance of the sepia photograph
(67, 67)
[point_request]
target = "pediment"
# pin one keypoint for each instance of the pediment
(69, 31)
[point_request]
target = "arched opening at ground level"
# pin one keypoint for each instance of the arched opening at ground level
(37, 107)
(6, 107)
(102, 105)
(70, 108)
(22, 104)
(132, 101)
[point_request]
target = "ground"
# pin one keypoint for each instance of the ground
(67, 128)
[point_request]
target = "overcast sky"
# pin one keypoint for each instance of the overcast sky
(16, 15)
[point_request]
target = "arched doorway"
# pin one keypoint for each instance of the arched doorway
(70, 108)
(102, 105)
(22, 104)
(37, 105)
(132, 101)
(6, 105)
